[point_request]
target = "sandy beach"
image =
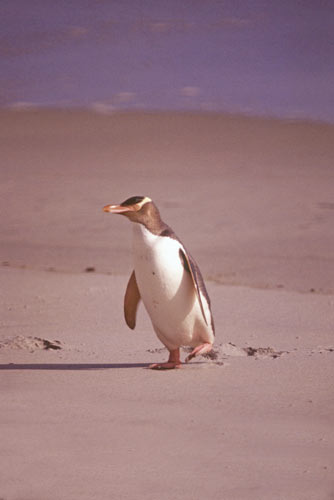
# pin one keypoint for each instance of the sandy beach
(81, 415)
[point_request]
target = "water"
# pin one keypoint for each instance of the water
(254, 57)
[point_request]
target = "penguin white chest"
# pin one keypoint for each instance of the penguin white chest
(166, 288)
(158, 267)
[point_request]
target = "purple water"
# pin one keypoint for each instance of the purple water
(256, 57)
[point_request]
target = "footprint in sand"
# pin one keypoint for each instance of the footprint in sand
(30, 344)
(223, 351)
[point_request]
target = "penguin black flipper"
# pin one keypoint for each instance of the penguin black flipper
(191, 267)
(131, 301)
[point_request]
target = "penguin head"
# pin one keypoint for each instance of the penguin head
(139, 209)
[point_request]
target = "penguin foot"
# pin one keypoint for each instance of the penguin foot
(200, 349)
(165, 366)
(173, 362)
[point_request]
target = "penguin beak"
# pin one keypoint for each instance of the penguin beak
(117, 209)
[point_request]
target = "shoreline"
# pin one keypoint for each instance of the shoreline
(90, 109)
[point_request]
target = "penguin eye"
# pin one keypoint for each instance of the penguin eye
(132, 201)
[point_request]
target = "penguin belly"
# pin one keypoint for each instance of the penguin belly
(167, 291)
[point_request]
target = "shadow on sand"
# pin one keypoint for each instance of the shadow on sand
(70, 366)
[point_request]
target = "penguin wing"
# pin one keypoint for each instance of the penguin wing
(131, 301)
(190, 265)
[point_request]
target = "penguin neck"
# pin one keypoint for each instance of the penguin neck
(149, 217)
(151, 231)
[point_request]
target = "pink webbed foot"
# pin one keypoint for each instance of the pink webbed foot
(173, 362)
(165, 366)
(200, 349)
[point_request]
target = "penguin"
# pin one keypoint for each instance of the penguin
(168, 281)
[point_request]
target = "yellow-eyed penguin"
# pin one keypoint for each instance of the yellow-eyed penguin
(168, 281)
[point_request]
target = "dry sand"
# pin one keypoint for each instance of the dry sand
(81, 416)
